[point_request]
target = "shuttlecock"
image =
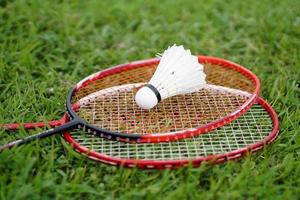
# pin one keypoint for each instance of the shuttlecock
(178, 72)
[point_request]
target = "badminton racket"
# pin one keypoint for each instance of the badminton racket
(247, 134)
(103, 104)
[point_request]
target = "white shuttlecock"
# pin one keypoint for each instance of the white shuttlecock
(178, 72)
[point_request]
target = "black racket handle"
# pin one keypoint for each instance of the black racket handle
(65, 127)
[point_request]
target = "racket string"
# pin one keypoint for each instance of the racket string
(236, 135)
(216, 74)
(117, 111)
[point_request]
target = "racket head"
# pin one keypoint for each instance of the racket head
(108, 109)
(249, 133)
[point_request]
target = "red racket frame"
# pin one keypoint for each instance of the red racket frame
(212, 159)
(160, 137)
(166, 137)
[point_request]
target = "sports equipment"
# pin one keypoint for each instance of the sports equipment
(103, 104)
(178, 72)
(247, 134)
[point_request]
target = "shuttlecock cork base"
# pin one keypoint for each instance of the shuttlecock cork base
(147, 97)
(178, 72)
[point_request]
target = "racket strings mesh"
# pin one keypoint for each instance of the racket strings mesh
(216, 74)
(116, 110)
(250, 128)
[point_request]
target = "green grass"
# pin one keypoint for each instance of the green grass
(47, 46)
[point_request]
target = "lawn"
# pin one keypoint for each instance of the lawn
(47, 46)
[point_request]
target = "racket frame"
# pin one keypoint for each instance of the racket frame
(195, 162)
(160, 137)
(77, 122)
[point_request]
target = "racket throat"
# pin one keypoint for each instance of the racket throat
(59, 129)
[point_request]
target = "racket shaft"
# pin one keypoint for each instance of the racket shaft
(68, 126)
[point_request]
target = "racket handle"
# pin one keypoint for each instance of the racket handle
(68, 126)
(12, 127)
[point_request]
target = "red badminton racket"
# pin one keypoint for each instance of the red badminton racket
(103, 104)
(249, 133)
